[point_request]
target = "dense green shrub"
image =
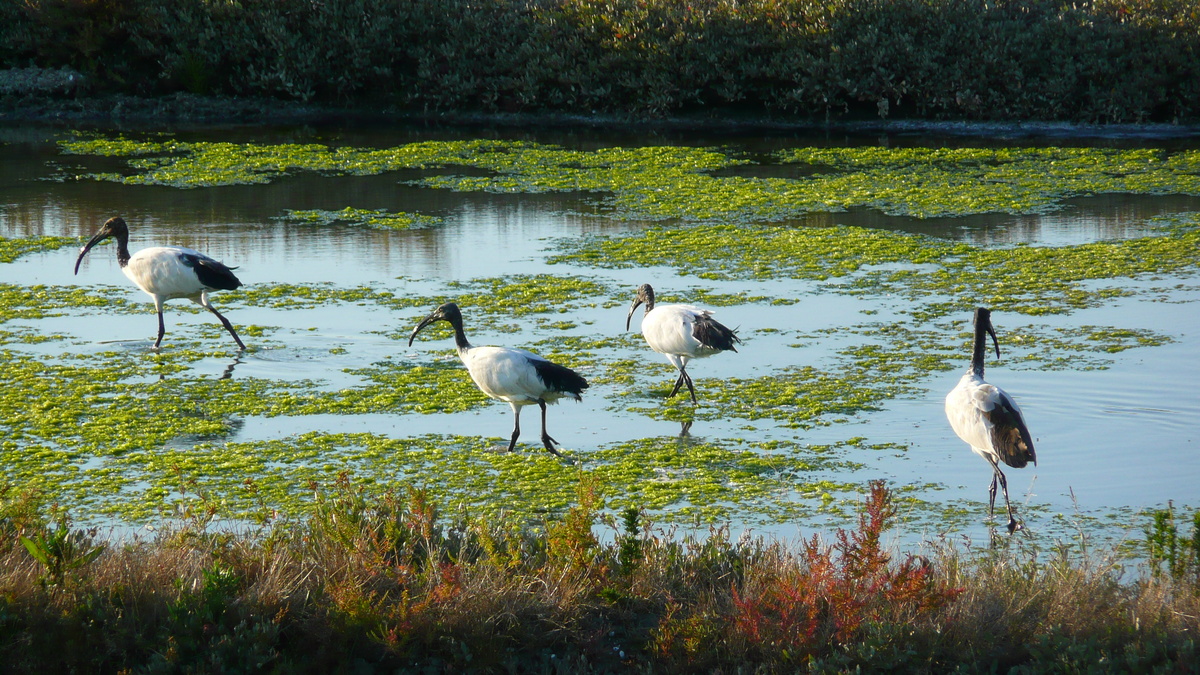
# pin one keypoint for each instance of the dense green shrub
(1099, 61)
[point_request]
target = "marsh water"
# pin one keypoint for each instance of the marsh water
(1115, 435)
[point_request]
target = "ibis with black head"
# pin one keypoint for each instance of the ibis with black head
(168, 273)
(515, 376)
(988, 419)
(681, 333)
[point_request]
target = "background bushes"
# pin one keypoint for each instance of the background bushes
(1100, 61)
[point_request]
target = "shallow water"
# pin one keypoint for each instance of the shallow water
(1110, 442)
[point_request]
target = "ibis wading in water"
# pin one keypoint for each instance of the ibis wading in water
(515, 376)
(167, 273)
(681, 333)
(988, 419)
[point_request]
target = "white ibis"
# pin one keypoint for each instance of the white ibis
(516, 376)
(681, 333)
(168, 272)
(988, 419)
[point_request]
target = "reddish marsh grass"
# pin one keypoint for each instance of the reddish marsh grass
(383, 582)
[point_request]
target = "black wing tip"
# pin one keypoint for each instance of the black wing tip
(1014, 445)
(561, 378)
(212, 273)
(1010, 437)
(714, 334)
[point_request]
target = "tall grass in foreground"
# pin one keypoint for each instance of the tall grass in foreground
(382, 584)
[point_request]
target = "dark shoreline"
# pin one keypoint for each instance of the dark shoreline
(141, 112)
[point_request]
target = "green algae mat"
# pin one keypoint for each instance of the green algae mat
(134, 436)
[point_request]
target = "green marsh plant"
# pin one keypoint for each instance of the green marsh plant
(62, 550)
(1172, 553)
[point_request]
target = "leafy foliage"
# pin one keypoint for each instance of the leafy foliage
(61, 550)
(1171, 552)
(1101, 61)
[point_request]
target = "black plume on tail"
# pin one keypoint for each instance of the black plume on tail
(560, 378)
(714, 335)
(212, 273)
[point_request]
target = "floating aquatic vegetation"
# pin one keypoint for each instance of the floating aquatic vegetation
(40, 301)
(880, 362)
(11, 249)
(679, 183)
(1036, 280)
(296, 296)
(132, 433)
(525, 294)
(757, 252)
(945, 277)
(375, 218)
(490, 302)
(676, 480)
(932, 182)
(208, 164)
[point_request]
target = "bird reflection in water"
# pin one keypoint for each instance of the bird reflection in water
(228, 372)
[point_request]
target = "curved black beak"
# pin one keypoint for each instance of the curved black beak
(88, 246)
(435, 316)
(991, 331)
(637, 302)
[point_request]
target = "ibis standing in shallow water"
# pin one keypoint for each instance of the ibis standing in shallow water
(988, 419)
(681, 333)
(518, 377)
(168, 272)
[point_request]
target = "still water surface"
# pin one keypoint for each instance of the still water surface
(1110, 442)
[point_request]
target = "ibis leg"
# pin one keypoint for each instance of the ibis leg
(162, 329)
(1012, 521)
(512, 442)
(688, 379)
(228, 327)
(546, 440)
(998, 476)
(678, 384)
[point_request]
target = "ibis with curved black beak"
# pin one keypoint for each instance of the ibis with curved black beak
(988, 419)
(681, 333)
(167, 273)
(515, 376)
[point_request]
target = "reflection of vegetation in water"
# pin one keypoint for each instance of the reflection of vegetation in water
(659, 183)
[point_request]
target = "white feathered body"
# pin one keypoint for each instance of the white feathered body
(511, 375)
(671, 330)
(989, 420)
(164, 272)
